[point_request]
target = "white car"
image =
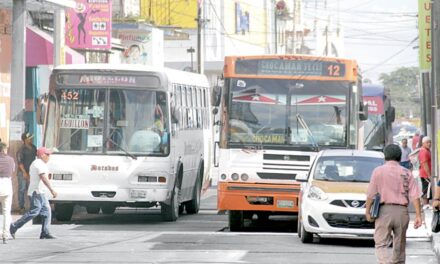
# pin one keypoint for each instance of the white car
(333, 194)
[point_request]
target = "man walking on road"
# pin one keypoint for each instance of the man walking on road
(25, 156)
(397, 188)
(39, 202)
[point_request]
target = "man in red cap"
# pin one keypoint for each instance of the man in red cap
(39, 181)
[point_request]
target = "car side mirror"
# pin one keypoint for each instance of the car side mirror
(302, 177)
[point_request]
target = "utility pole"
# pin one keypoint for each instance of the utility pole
(200, 24)
(435, 91)
(18, 69)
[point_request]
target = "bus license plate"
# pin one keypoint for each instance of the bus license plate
(138, 194)
(285, 204)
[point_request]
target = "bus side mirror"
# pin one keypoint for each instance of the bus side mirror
(41, 109)
(216, 95)
(391, 114)
(363, 112)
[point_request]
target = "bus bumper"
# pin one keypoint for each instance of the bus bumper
(128, 195)
(258, 197)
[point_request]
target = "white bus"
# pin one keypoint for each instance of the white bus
(128, 135)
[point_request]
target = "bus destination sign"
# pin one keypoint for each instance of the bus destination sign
(107, 80)
(290, 67)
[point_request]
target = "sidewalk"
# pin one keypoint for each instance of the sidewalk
(434, 236)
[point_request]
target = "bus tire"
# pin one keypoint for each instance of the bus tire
(108, 209)
(92, 209)
(193, 206)
(63, 212)
(236, 221)
(170, 212)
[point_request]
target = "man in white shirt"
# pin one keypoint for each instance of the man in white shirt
(404, 161)
(38, 184)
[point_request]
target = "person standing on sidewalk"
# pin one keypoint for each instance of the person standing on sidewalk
(404, 161)
(39, 173)
(7, 167)
(25, 156)
(425, 171)
(415, 140)
(397, 188)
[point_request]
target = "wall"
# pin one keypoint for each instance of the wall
(5, 71)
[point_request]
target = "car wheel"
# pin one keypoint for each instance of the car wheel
(306, 237)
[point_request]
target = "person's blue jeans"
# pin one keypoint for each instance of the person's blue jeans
(39, 206)
(22, 189)
(406, 164)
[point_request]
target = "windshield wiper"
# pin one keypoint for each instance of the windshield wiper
(306, 127)
(121, 148)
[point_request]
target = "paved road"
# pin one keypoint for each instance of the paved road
(140, 236)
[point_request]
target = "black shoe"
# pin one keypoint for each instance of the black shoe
(47, 236)
(12, 230)
(4, 241)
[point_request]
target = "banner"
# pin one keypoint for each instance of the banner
(89, 25)
(375, 104)
(425, 57)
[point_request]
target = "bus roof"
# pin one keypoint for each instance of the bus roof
(174, 76)
(373, 90)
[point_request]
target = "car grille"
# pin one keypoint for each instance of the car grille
(349, 203)
(354, 221)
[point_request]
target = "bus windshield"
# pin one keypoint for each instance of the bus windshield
(114, 121)
(265, 111)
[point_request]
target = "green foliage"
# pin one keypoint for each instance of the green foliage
(405, 93)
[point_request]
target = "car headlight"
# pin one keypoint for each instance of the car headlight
(316, 193)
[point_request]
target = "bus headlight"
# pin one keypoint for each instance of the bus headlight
(223, 176)
(316, 193)
(235, 176)
(244, 177)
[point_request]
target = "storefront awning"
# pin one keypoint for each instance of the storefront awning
(39, 49)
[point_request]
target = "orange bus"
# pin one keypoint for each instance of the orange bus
(276, 113)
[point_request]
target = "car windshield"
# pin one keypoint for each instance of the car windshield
(346, 169)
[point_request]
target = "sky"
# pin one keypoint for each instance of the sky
(379, 34)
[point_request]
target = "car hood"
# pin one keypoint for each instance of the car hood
(341, 187)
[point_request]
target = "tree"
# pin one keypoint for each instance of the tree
(403, 86)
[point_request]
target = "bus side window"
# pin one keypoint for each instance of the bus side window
(205, 113)
(184, 108)
(189, 109)
(199, 108)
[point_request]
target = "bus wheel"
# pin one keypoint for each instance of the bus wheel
(236, 221)
(171, 212)
(108, 209)
(63, 212)
(193, 206)
(92, 209)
